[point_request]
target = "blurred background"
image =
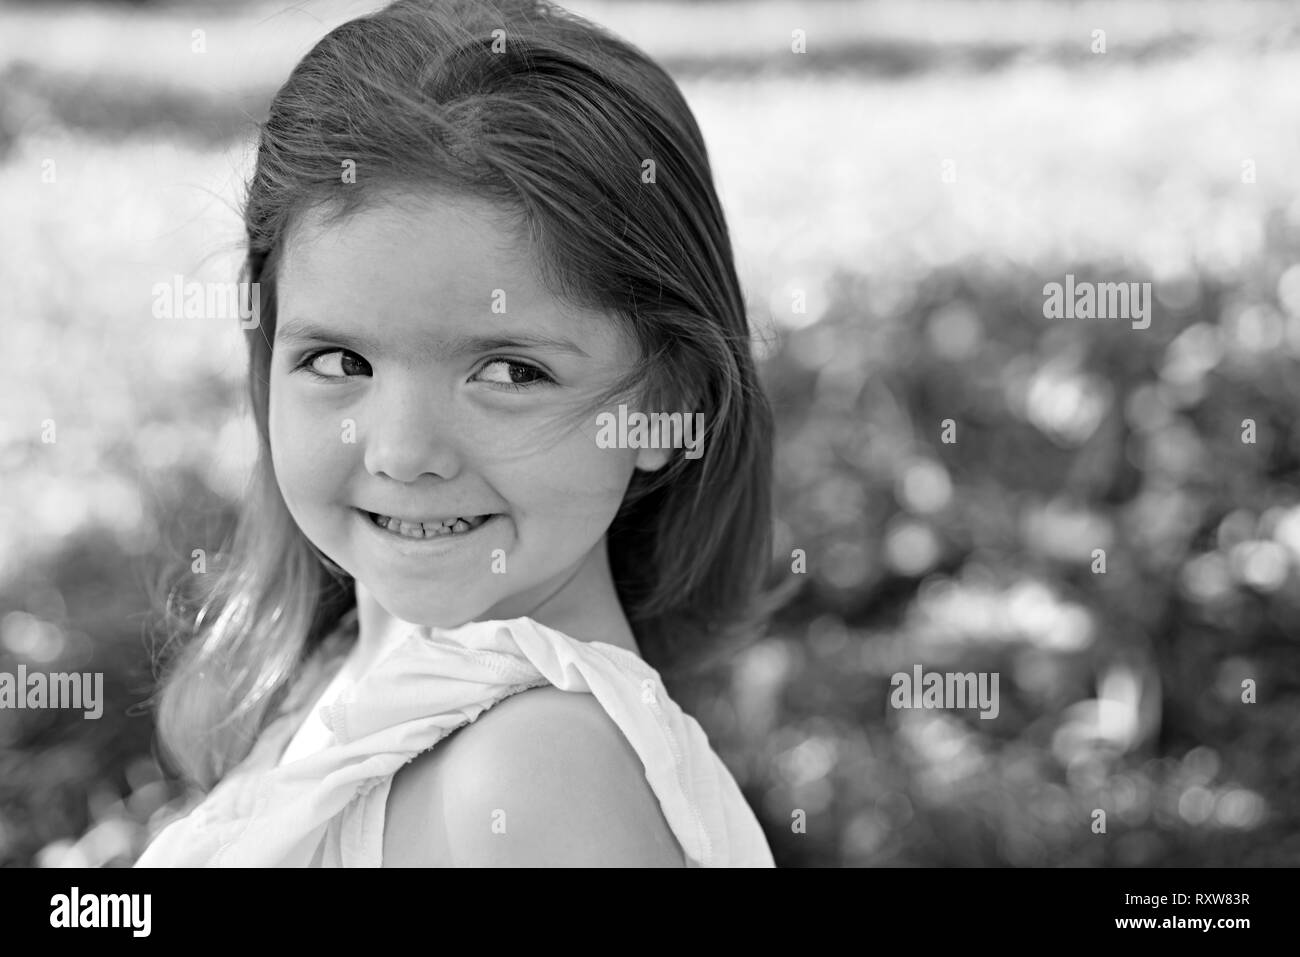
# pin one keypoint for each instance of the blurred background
(899, 194)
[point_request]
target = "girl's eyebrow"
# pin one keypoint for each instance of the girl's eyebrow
(301, 330)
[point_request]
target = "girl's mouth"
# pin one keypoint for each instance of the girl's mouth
(445, 528)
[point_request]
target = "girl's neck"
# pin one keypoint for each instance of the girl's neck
(584, 607)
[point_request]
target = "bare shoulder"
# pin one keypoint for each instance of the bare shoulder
(545, 778)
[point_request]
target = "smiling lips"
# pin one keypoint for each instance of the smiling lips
(434, 528)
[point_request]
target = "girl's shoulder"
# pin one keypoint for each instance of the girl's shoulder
(545, 777)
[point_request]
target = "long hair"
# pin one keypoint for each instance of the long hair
(592, 151)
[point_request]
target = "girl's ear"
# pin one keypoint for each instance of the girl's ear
(659, 399)
(652, 460)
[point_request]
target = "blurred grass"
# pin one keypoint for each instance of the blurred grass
(924, 298)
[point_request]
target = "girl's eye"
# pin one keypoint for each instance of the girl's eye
(511, 374)
(345, 364)
(339, 364)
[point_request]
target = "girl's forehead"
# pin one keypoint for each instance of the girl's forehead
(458, 236)
(434, 252)
(414, 263)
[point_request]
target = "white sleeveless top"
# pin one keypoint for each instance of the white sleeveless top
(318, 797)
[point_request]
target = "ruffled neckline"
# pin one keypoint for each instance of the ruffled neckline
(474, 637)
(429, 683)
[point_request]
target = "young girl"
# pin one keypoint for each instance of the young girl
(477, 230)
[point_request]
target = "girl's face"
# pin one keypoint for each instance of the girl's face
(420, 371)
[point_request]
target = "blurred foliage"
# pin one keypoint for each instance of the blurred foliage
(1119, 691)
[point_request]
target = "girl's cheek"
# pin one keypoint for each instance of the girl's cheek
(579, 478)
(520, 432)
(308, 447)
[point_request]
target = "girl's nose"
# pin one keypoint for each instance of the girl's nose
(407, 437)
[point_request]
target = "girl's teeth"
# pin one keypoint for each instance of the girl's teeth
(416, 530)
